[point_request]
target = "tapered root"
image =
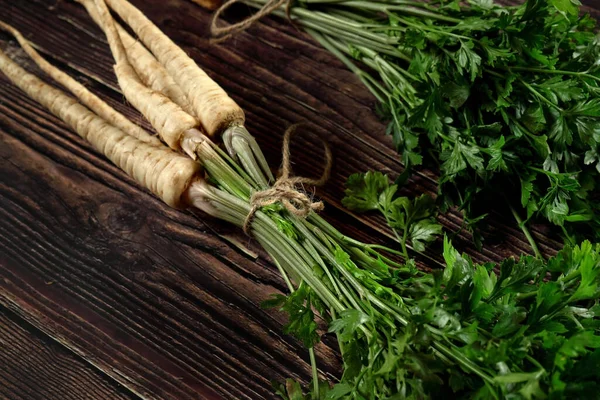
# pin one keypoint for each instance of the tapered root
(147, 67)
(169, 120)
(92, 101)
(164, 172)
(214, 108)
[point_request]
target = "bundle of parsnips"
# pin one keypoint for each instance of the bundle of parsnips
(402, 333)
(494, 96)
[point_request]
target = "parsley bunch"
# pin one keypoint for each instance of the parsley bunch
(530, 332)
(499, 98)
(465, 333)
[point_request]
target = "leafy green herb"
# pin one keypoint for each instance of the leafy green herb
(493, 95)
(532, 332)
(412, 220)
(500, 97)
(298, 305)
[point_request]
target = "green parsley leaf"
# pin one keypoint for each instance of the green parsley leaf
(363, 190)
(347, 323)
(497, 162)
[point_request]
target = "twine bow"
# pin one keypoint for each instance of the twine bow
(284, 190)
(220, 34)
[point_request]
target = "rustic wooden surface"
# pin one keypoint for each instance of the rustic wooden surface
(107, 293)
(34, 366)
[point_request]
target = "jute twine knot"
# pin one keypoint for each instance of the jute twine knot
(285, 190)
(220, 34)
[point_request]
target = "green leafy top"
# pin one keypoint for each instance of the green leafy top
(530, 332)
(411, 220)
(492, 95)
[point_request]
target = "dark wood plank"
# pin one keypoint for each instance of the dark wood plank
(34, 366)
(159, 300)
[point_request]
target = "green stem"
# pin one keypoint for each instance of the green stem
(403, 242)
(527, 233)
(287, 250)
(349, 15)
(242, 146)
(390, 50)
(315, 373)
(401, 239)
(556, 72)
(374, 247)
(341, 238)
(361, 4)
(241, 171)
(216, 166)
(410, 10)
(462, 360)
(540, 96)
(426, 28)
(277, 249)
(338, 49)
(369, 252)
(313, 252)
(285, 276)
(311, 351)
(325, 42)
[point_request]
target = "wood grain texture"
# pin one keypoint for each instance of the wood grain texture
(156, 300)
(35, 367)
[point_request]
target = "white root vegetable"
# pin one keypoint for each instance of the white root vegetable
(150, 71)
(169, 119)
(166, 173)
(92, 101)
(214, 108)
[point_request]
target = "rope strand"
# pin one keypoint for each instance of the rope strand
(284, 190)
(220, 34)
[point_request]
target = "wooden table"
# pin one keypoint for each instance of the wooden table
(105, 292)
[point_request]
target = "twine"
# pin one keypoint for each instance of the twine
(284, 190)
(220, 34)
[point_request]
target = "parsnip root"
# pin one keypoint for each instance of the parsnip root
(150, 71)
(166, 173)
(92, 101)
(214, 108)
(169, 119)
